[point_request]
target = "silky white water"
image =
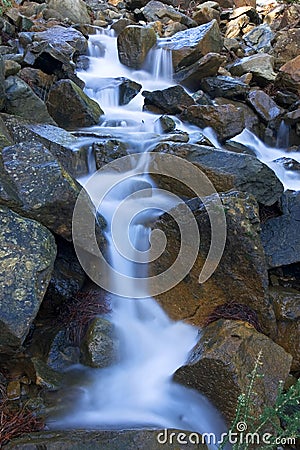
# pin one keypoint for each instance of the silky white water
(137, 390)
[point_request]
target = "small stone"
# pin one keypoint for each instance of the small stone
(13, 390)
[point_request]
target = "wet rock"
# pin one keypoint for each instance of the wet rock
(240, 279)
(289, 76)
(34, 184)
(62, 145)
(45, 376)
(260, 65)
(27, 257)
(74, 10)
(166, 124)
(280, 235)
(226, 120)
(134, 43)
(62, 353)
(171, 100)
(71, 107)
(286, 303)
(98, 440)
(99, 347)
(265, 107)
(5, 138)
(39, 81)
(227, 170)
(108, 150)
(54, 50)
(189, 45)
(155, 10)
(206, 66)
(2, 85)
(22, 101)
(260, 38)
(288, 163)
(127, 89)
(222, 86)
(286, 46)
(221, 361)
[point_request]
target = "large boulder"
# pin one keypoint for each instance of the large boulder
(71, 107)
(22, 101)
(109, 440)
(63, 145)
(27, 253)
(286, 303)
(260, 38)
(241, 276)
(33, 183)
(225, 355)
(224, 86)
(207, 66)
(261, 65)
(226, 120)
(280, 236)
(74, 10)
(227, 170)
(171, 100)
(134, 43)
(264, 105)
(189, 45)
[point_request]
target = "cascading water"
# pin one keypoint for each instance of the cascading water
(137, 391)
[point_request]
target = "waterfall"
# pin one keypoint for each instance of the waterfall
(283, 135)
(137, 391)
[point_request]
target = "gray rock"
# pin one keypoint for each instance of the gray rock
(63, 145)
(229, 170)
(99, 347)
(264, 106)
(171, 100)
(11, 68)
(75, 10)
(134, 43)
(62, 354)
(260, 38)
(22, 101)
(45, 376)
(108, 150)
(207, 66)
(189, 45)
(2, 85)
(158, 11)
(260, 65)
(100, 440)
(226, 120)
(280, 235)
(71, 107)
(34, 184)
(27, 256)
(223, 86)
(221, 361)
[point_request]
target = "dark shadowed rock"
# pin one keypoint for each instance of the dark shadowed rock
(62, 145)
(280, 235)
(241, 275)
(2, 85)
(22, 101)
(286, 303)
(189, 45)
(223, 86)
(100, 440)
(221, 361)
(27, 255)
(34, 184)
(71, 107)
(99, 347)
(134, 43)
(264, 106)
(206, 66)
(171, 100)
(226, 120)
(227, 170)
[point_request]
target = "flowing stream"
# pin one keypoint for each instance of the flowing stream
(137, 391)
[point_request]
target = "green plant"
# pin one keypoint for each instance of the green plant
(283, 418)
(4, 4)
